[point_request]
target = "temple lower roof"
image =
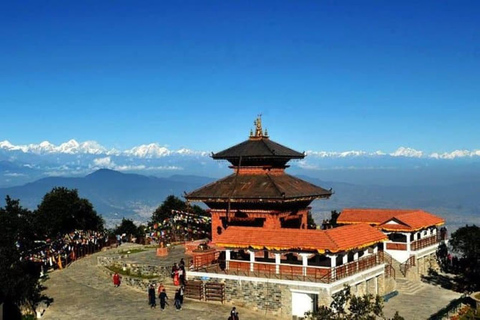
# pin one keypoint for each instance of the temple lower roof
(258, 187)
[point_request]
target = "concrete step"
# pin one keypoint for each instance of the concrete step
(405, 286)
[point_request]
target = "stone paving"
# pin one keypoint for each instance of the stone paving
(83, 291)
(421, 305)
(148, 257)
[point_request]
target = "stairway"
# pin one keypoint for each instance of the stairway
(408, 287)
(397, 266)
(393, 264)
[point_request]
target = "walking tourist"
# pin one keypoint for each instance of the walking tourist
(176, 276)
(117, 279)
(182, 293)
(163, 299)
(151, 296)
(233, 314)
(161, 287)
(178, 304)
(174, 273)
(181, 275)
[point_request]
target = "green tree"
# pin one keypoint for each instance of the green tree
(466, 242)
(164, 211)
(172, 202)
(350, 307)
(62, 211)
(129, 228)
(366, 307)
(19, 285)
(333, 218)
(310, 221)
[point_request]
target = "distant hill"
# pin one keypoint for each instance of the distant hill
(116, 195)
(113, 194)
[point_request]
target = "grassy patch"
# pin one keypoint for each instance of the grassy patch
(152, 246)
(129, 273)
(131, 251)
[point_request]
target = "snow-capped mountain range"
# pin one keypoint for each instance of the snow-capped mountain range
(152, 150)
(400, 152)
(155, 150)
(21, 164)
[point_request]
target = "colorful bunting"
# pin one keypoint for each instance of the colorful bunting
(181, 225)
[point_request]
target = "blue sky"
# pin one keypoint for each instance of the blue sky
(326, 75)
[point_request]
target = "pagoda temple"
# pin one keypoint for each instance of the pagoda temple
(258, 193)
(265, 258)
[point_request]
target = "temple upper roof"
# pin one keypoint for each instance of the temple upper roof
(258, 146)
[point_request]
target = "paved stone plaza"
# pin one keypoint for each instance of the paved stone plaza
(83, 291)
(422, 304)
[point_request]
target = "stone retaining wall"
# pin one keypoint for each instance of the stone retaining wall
(134, 269)
(422, 267)
(135, 272)
(272, 298)
(275, 296)
(134, 282)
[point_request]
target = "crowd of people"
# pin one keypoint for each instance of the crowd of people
(180, 226)
(59, 252)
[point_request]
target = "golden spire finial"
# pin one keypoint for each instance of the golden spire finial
(258, 126)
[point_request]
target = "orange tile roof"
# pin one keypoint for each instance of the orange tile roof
(407, 219)
(332, 240)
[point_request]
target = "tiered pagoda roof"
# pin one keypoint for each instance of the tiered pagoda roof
(406, 220)
(322, 241)
(258, 151)
(259, 165)
(261, 147)
(258, 186)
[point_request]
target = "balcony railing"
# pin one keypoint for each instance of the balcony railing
(414, 245)
(404, 267)
(293, 272)
(396, 246)
(423, 243)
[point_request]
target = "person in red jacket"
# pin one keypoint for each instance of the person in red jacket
(116, 279)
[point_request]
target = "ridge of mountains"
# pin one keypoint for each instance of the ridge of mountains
(115, 195)
(155, 150)
(18, 167)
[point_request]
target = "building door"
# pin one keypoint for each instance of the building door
(303, 302)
